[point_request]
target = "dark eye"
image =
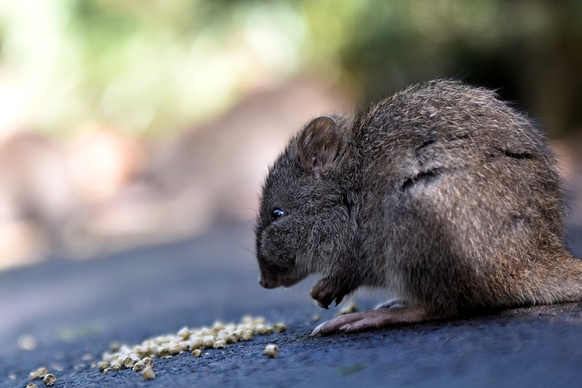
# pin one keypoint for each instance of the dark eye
(278, 213)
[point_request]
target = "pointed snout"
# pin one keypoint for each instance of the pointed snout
(266, 283)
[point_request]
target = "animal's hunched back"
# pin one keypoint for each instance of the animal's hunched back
(441, 194)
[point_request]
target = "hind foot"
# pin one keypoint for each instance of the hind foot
(375, 319)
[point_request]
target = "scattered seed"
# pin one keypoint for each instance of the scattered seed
(279, 327)
(38, 373)
(184, 333)
(148, 374)
(231, 339)
(263, 329)
(194, 340)
(116, 365)
(138, 366)
(208, 341)
(102, 365)
(271, 350)
(128, 362)
(49, 379)
(351, 307)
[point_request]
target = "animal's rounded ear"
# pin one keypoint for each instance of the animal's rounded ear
(318, 145)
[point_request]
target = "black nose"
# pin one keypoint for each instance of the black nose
(263, 283)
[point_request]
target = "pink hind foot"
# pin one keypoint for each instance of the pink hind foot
(374, 319)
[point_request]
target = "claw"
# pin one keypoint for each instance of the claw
(334, 325)
(338, 300)
(322, 297)
(321, 330)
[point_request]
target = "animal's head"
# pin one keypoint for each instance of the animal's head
(305, 218)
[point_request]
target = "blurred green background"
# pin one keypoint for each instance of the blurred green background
(130, 96)
(155, 66)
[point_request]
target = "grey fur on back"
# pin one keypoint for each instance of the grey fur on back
(441, 193)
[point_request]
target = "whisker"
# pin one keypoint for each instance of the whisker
(244, 209)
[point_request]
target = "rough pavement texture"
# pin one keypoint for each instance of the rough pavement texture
(79, 308)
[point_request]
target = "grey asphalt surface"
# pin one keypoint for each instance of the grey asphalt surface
(79, 308)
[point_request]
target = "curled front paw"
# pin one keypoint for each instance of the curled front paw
(327, 290)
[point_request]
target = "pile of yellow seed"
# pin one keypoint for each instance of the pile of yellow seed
(41, 373)
(195, 340)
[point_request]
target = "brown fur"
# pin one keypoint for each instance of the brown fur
(440, 193)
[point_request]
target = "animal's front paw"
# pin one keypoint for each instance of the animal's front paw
(327, 290)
